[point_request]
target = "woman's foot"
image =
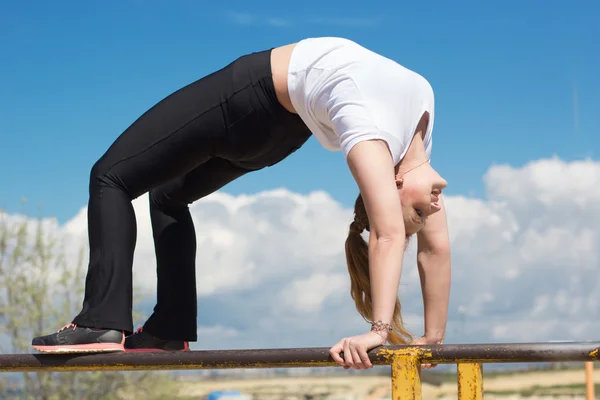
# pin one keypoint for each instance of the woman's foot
(142, 341)
(80, 339)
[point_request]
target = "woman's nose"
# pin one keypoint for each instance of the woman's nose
(440, 184)
(443, 184)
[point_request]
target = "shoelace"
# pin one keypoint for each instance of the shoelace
(68, 326)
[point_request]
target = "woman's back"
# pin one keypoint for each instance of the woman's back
(345, 92)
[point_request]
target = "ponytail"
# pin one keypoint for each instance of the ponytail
(357, 258)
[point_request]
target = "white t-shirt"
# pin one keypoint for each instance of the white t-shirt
(346, 94)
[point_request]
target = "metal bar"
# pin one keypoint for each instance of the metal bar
(406, 377)
(470, 381)
(290, 358)
(512, 352)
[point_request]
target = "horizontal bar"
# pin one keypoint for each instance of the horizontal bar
(292, 358)
(512, 352)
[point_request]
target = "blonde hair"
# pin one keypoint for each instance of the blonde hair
(357, 258)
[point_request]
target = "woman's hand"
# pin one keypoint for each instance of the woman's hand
(424, 340)
(355, 350)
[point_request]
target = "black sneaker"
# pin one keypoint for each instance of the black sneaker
(142, 341)
(79, 339)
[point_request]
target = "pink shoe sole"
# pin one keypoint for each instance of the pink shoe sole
(151, 350)
(82, 348)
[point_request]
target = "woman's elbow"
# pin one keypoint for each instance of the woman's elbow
(438, 250)
(389, 237)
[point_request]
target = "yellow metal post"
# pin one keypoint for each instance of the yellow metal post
(470, 381)
(589, 380)
(406, 377)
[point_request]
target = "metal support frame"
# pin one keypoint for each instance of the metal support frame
(470, 381)
(406, 376)
(405, 361)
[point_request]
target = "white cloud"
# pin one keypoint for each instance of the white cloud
(349, 22)
(540, 260)
(308, 295)
(244, 241)
(244, 18)
(217, 330)
(277, 22)
(251, 19)
(271, 269)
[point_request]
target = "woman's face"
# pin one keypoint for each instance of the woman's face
(419, 190)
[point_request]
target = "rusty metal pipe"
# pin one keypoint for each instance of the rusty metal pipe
(512, 352)
(291, 358)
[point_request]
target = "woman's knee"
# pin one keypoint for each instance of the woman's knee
(163, 197)
(102, 175)
(97, 173)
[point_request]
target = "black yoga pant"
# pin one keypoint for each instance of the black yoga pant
(187, 146)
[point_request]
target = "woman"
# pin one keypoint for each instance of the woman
(249, 115)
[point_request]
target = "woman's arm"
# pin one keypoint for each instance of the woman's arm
(372, 167)
(433, 259)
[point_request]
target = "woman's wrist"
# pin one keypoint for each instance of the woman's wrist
(382, 335)
(382, 329)
(435, 336)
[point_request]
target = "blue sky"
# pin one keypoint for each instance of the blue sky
(514, 81)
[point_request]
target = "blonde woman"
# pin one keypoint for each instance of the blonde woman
(249, 115)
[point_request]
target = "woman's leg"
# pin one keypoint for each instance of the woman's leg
(232, 114)
(167, 142)
(174, 321)
(179, 133)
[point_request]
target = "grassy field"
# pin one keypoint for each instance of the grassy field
(532, 385)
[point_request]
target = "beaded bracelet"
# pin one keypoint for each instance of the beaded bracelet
(379, 326)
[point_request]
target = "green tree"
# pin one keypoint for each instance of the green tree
(40, 289)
